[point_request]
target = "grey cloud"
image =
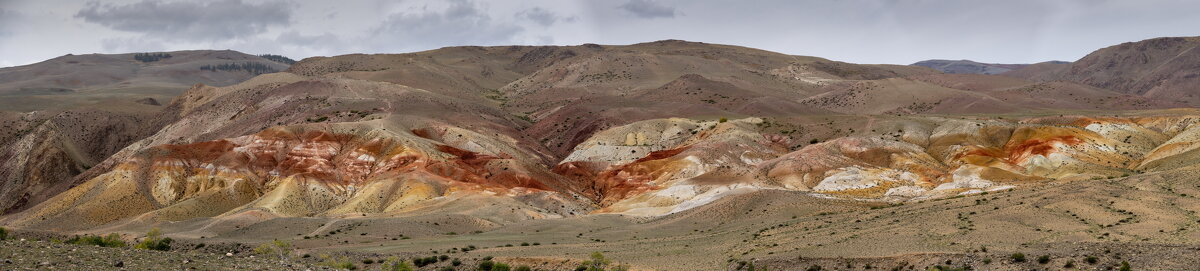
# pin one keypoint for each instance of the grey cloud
(9, 20)
(293, 37)
(541, 16)
(463, 23)
(648, 9)
(190, 21)
(131, 45)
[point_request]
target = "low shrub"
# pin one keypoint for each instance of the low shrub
(278, 248)
(155, 241)
(338, 263)
(422, 262)
(112, 240)
(1018, 257)
(395, 264)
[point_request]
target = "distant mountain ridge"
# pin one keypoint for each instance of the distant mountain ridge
(71, 81)
(967, 66)
(1162, 68)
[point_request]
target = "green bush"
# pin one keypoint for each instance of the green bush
(338, 263)
(278, 248)
(395, 264)
(500, 267)
(1125, 266)
(600, 263)
(486, 265)
(945, 268)
(524, 268)
(1092, 259)
(155, 241)
(1018, 257)
(3, 233)
(112, 240)
(422, 262)
(1044, 259)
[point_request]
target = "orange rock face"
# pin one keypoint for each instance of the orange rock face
(1015, 153)
(338, 159)
(1019, 151)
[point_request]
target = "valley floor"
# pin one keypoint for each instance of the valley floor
(1149, 221)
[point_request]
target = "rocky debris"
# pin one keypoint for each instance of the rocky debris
(50, 255)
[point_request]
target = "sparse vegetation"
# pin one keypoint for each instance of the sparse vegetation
(111, 240)
(395, 264)
(278, 248)
(278, 58)
(3, 234)
(337, 262)
(150, 57)
(422, 262)
(945, 268)
(155, 241)
(250, 67)
(600, 263)
(1018, 257)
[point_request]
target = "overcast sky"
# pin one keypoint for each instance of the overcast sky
(859, 31)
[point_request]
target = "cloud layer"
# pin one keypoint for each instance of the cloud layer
(648, 9)
(189, 21)
(862, 31)
(461, 23)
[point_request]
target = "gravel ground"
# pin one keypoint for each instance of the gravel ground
(45, 255)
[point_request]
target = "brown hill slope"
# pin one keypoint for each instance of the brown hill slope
(87, 107)
(42, 152)
(1161, 68)
(116, 80)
